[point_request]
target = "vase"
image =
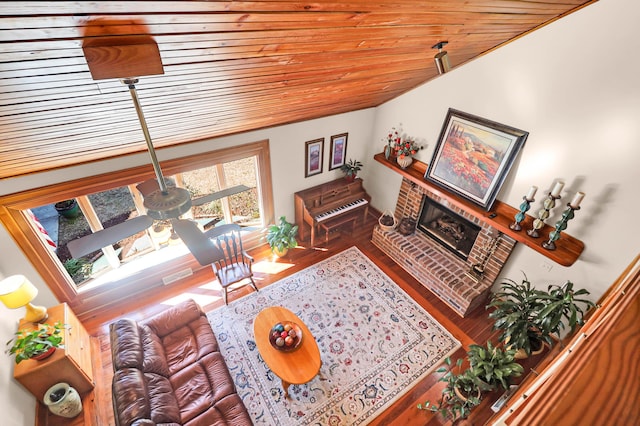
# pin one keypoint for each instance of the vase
(405, 161)
(280, 253)
(63, 400)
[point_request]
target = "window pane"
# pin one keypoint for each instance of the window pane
(245, 205)
(202, 182)
(116, 206)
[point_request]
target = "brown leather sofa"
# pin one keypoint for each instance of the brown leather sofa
(168, 370)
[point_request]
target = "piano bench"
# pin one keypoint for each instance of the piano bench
(337, 222)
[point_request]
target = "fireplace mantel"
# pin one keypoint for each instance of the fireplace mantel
(567, 251)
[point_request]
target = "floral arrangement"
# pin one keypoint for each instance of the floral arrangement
(401, 145)
(394, 137)
(405, 147)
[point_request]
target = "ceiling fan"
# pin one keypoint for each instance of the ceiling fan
(141, 56)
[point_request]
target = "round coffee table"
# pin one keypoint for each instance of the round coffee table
(293, 368)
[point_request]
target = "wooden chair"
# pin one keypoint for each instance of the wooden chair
(234, 264)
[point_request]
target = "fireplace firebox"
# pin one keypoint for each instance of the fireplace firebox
(447, 228)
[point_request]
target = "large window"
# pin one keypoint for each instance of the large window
(147, 258)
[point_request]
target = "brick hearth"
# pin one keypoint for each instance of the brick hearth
(434, 266)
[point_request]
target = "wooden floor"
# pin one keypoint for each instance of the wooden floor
(202, 287)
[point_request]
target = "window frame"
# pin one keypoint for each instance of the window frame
(14, 218)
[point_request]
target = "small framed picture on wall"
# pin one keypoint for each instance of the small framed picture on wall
(313, 157)
(338, 150)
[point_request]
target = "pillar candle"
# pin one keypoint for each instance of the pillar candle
(532, 193)
(557, 189)
(577, 199)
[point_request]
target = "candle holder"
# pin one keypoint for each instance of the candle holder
(524, 207)
(543, 214)
(561, 225)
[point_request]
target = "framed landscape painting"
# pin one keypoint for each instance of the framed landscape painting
(338, 150)
(473, 156)
(313, 157)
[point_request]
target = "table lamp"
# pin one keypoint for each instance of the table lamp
(17, 291)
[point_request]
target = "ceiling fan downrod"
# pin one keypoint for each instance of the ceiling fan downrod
(166, 203)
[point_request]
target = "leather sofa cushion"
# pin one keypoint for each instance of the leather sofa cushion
(162, 400)
(199, 386)
(173, 318)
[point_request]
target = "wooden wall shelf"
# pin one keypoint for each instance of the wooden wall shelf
(567, 251)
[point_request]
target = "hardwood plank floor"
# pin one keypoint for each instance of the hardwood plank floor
(476, 327)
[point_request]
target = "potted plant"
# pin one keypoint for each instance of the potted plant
(462, 393)
(516, 306)
(561, 305)
(528, 317)
(38, 344)
(351, 169)
(78, 269)
(68, 208)
(493, 365)
(282, 237)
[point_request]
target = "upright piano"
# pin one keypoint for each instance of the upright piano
(328, 201)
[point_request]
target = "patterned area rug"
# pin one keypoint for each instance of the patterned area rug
(374, 340)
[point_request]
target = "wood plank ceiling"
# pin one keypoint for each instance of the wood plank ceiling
(230, 66)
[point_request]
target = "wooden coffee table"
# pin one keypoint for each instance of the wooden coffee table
(293, 368)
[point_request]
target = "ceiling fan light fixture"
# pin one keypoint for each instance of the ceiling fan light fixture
(169, 204)
(442, 58)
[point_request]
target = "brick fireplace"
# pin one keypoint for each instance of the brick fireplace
(438, 268)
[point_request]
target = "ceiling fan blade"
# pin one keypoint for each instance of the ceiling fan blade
(105, 237)
(220, 194)
(147, 187)
(198, 244)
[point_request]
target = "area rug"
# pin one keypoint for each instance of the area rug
(375, 343)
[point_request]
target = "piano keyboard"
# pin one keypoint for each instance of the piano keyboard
(331, 213)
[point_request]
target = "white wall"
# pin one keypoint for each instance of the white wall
(574, 85)
(17, 405)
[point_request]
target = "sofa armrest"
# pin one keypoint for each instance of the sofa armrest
(126, 346)
(130, 397)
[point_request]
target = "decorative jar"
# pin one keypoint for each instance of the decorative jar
(63, 400)
(404, 161)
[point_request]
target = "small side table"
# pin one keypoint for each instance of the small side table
(71, 364)
(293, 368)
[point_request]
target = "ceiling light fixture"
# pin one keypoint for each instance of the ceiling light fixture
(441, 58)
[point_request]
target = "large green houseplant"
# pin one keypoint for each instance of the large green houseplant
(282, 236)
(493, 365)
(528, 316)
(35, 343)
(562, 307)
